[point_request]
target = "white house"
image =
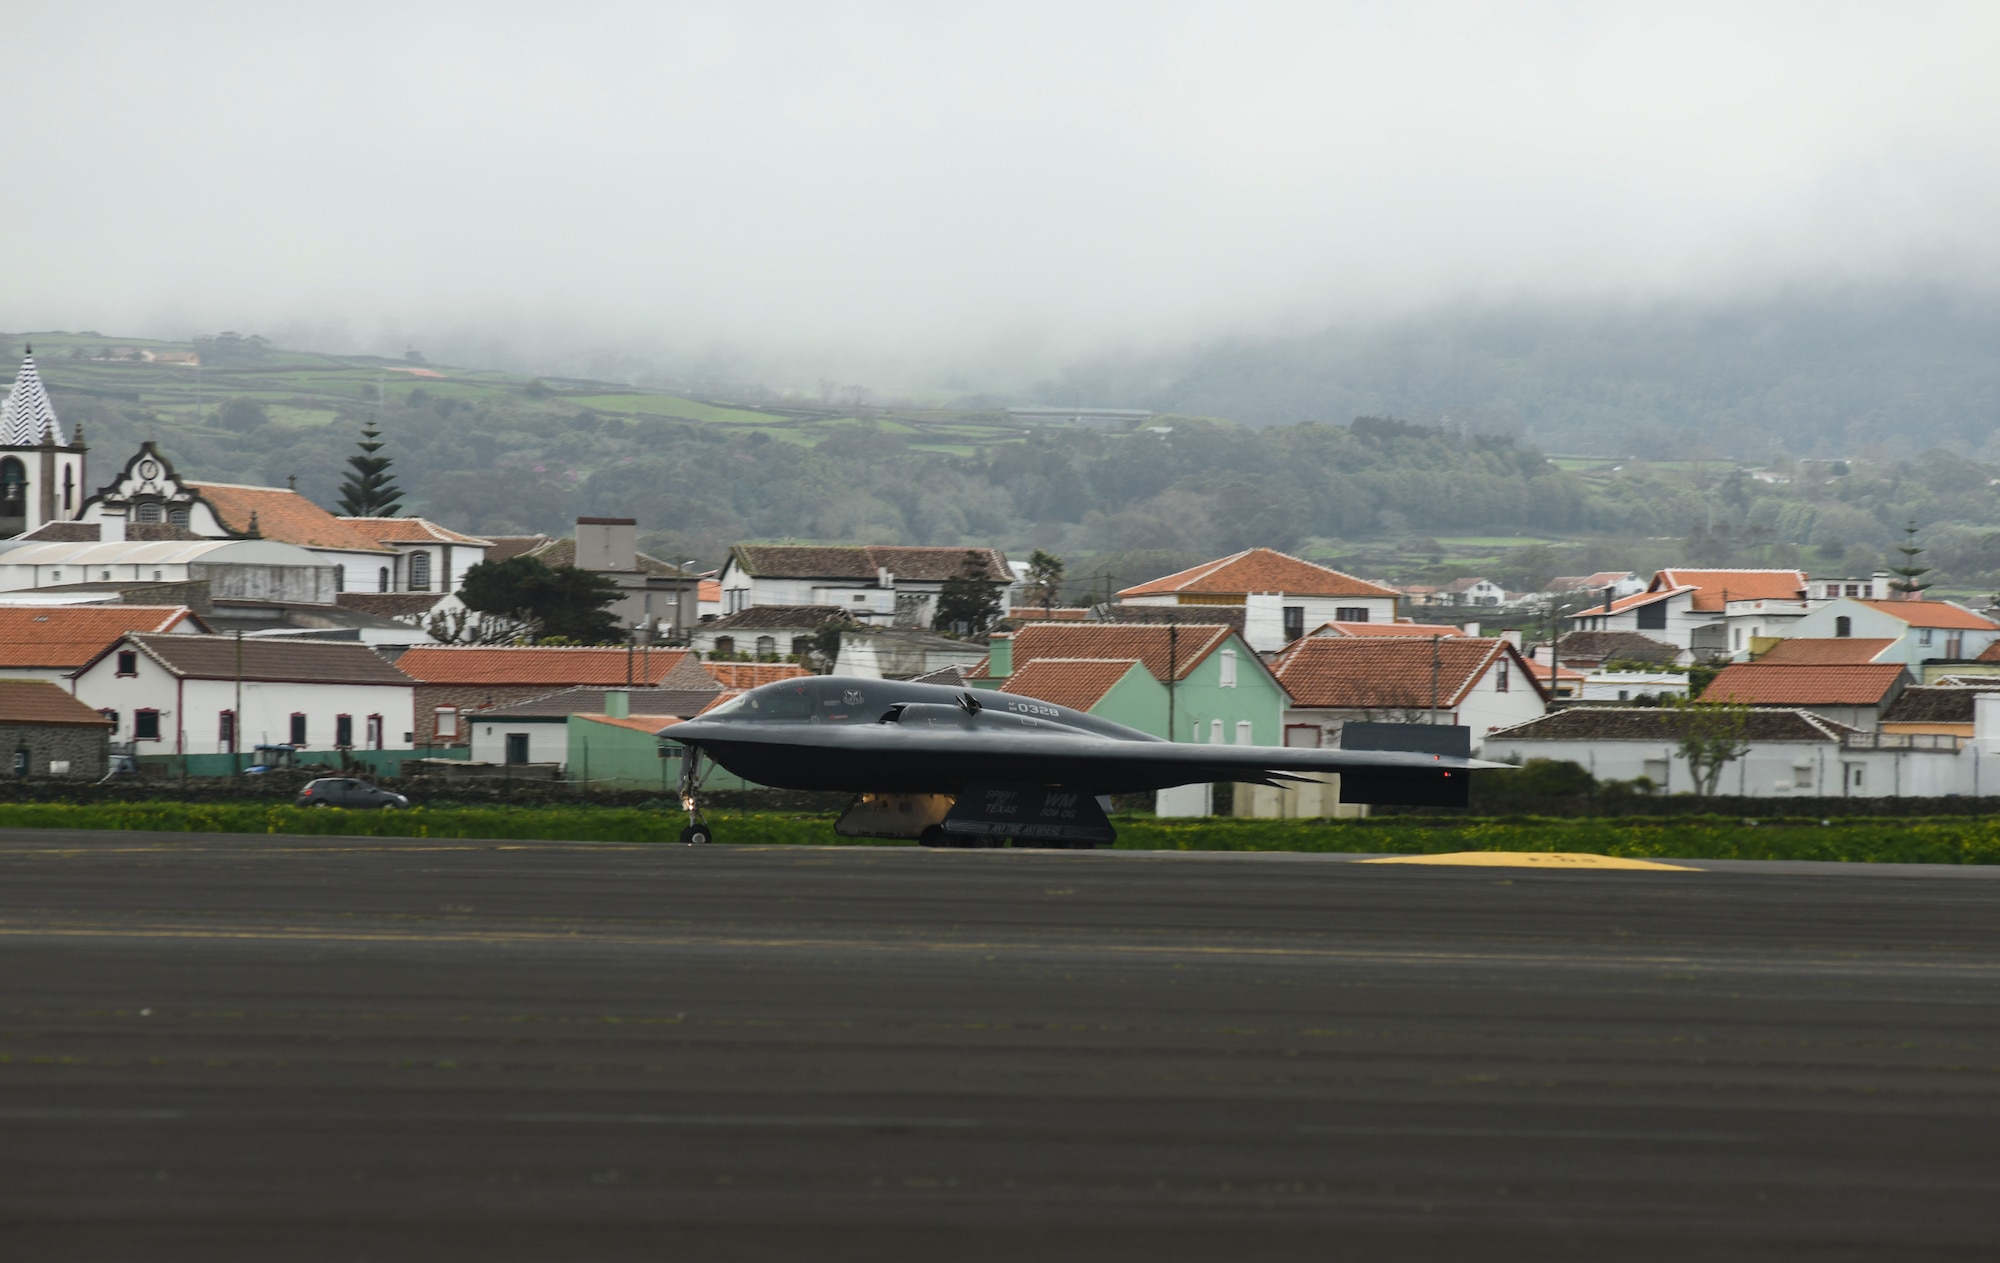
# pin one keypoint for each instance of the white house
(877, 584)
(1792, 753)
(170, 694)
(53, 642)
(1281, 596)
(1620, 583)
(1473, 591)
(1691, 609)
(1922, 630)
(1481, 683)
(430, 558)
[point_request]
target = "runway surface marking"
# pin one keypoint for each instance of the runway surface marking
(1532, 859)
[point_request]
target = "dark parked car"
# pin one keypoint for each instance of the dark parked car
(345, 791)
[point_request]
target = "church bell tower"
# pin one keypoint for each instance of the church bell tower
(41, 468)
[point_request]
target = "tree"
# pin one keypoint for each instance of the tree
(969, 601)
(1909, 571)
(1712, 736)
(242, 416)
(545, 602)
(1045, 576)
(370, 491)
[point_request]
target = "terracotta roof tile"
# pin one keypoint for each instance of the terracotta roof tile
(1078, 683)
(283, 515)
(1933, 705)
(1809, 651)
(748, 675)
(411, 530)
(1934, 614)
(68, 636)
(1629, 602)
(1367, 673)
(1604, 646)
(556, 666)
(1388, 629)
(776, 617)
(637, 723)
(1630, 723)
(1230, 616)
(44, 702)
(1759, 684)
(828, 561)
(1154, 646)
(1259, 570)
(588, 699)
(1715, 587)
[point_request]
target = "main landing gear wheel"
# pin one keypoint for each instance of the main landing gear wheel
(697, 834)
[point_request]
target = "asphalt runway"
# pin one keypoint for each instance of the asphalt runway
(222, 1046)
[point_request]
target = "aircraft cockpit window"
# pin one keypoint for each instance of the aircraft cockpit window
(786, 703)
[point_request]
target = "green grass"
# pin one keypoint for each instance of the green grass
(1928, 840)
(673, 406)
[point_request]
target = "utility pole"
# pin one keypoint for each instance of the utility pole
(236, 720)
(1434, 679)
(1173, 670)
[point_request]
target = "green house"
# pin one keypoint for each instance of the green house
(1207, 685)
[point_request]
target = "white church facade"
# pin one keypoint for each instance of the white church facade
(41, 467)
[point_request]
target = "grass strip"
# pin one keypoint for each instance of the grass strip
(1920, 840)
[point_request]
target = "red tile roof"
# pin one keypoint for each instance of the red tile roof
(272, 659)
(1259, 570)
(1152, 644)
(1720, 586)
(637, 723)
(1388, 629)
(411, 530)
(1934, 614)
(1757, 684)
(44, 702)
(538, 664)
(67, 636)
(1366, 673)
(283, 515)
(1078, 683)
(1816, 651)
(748, 675)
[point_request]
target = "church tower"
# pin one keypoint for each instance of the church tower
(41, 469)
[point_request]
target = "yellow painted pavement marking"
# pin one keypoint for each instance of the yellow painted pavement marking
(1532, 859)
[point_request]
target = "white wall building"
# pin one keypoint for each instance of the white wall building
(1922, 630)
(1483, 684)
(235, 569)
(170, 694)
(882, 585)
(1282, 596)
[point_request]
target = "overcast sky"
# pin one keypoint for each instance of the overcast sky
(857, 188)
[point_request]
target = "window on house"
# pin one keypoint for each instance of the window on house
(177, 516)
(1295, 622)
(1954, 646)
(298, 729)
(1243, 732)
(225, 735)
(149, 513)
(340, 578)
(1215, 732)
(111, 715)
(343, 732)
(859, 597)
(1501, 681)
(382, 579)
(128, 662)
(1653, 617)
(1197, 735)
(767, 646)
(1736, 638)
(1923, 635)
(725, 644)
(1854, 771)
(1843, 626)
(1624, 695)
(447, 722)
(374, 732)
(1854, 589)
(1228, 669)
(801, 646)
(13, 488)
(1833, 589)
(1304, 736)
(1802, 775)
(517, 747)
(420, 572)
(1657, 771)
(159, 574)
(145, 725)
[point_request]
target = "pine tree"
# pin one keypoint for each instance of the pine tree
(1910, 571)
(370, 491)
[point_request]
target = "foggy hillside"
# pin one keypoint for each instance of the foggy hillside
(1878, 371)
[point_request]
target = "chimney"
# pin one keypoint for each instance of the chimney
(1607, 599)
(111, 527)
(1470, 629)
(1512, 636)
(607, 543)
(883, 579)
(617, 704)
(1001, 647)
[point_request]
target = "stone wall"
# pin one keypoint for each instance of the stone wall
(84, 747)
